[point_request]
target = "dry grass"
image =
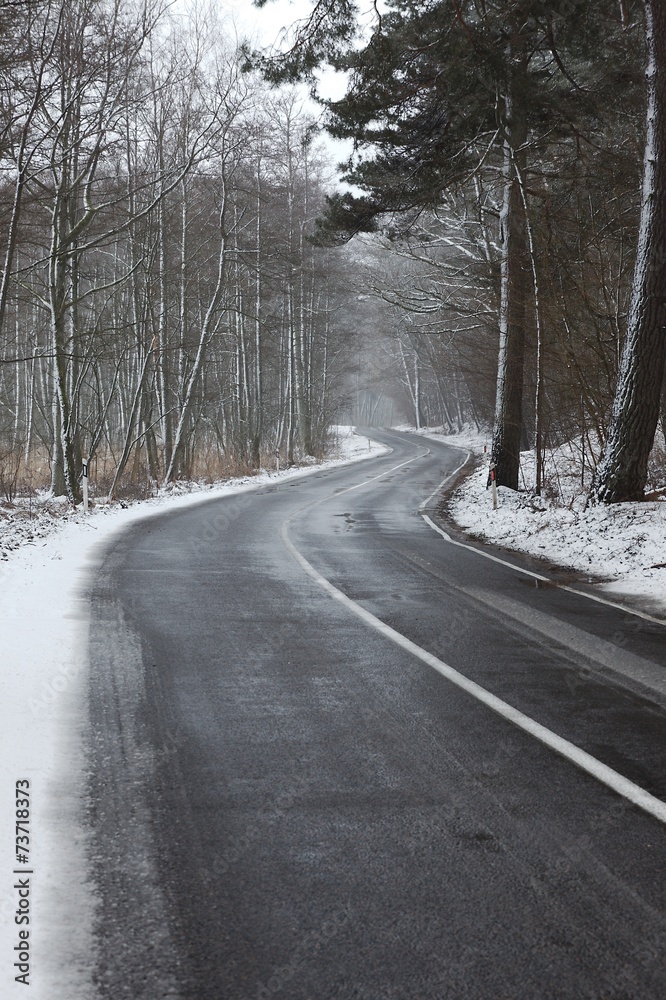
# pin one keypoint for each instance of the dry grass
(19, 481)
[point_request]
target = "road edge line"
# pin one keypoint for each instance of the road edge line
(527, 572)
(580, 758)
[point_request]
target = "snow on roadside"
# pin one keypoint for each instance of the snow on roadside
(623, 545)
(469, 438)
(46, 562)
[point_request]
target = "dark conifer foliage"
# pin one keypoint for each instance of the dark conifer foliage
(446, 93)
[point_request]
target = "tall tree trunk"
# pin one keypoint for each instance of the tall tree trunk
(292, 387)
(24, 156)
(417, 392)
(58, 481)
(515, 276)
(208, 327)
(257, 399)
(622, 473)
(64, 481)
(130, 440)
(166, 419)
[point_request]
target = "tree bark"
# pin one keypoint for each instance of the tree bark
(178, 454)
(257, 396)
(515, 276)
(622, 473)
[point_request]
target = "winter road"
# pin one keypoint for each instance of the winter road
(290, 799)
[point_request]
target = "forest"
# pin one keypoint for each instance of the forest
(187, 288)
(163, 314)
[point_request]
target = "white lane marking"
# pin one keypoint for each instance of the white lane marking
(606, 775)
(605, 654)
(614, 604)
(462, 545)
(387, 472)
(527, 572)
(617, 782)
(450, 476)
(486, 555)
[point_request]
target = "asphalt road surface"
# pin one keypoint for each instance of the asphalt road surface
(290, 799)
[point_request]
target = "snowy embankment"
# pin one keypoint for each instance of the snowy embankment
(48, 552)
(623, 545)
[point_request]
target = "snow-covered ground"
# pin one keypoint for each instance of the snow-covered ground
(623, 545)
(47, 552)
(469, 437)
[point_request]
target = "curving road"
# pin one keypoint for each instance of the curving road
(336, 756)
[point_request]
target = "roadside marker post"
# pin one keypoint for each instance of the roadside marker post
(493, 484)
(85, 485)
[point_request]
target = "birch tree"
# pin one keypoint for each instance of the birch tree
(94, 53)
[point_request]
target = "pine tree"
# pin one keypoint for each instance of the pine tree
(445, 89)
(622, 472)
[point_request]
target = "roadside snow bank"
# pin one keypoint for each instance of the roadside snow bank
(469, 438)
(46, 559)
(621, 544)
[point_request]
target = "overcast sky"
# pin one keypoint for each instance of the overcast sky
(265, 27)
(268, 22)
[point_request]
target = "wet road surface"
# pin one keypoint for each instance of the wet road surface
(286, 803)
